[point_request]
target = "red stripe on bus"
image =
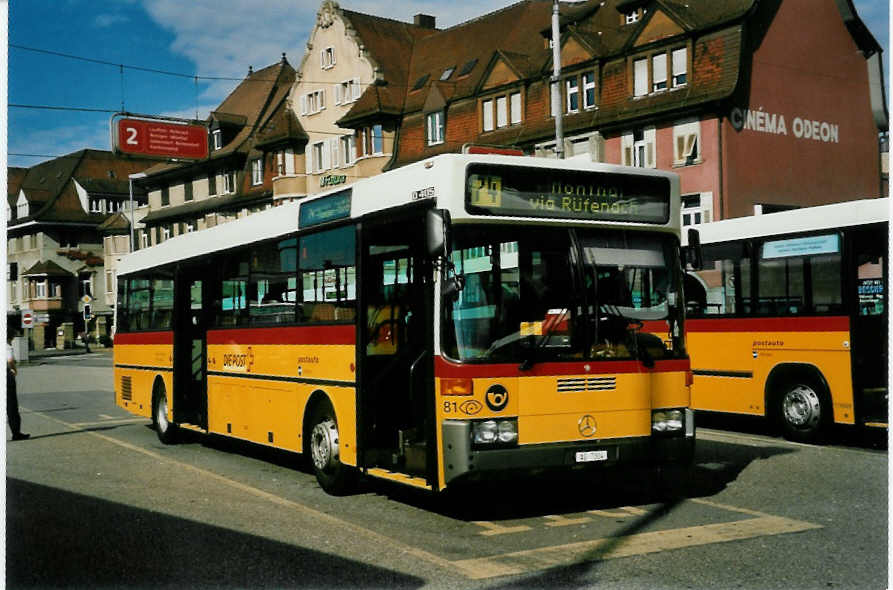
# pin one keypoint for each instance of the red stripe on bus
(776, 324)
(337, 334)
(144, 338)
(448, 369)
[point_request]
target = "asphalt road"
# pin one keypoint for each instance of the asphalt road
(94, 500)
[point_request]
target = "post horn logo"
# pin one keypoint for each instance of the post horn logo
(586, 426)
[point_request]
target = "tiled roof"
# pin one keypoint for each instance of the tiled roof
(48, 268)
(248, 106)
(52, 195)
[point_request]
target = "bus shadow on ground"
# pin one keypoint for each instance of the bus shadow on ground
(716, 465)
(841, 435)
(57, 538)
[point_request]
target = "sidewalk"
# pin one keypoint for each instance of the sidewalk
(36, 355)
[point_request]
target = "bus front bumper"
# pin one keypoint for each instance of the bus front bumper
(461, 458)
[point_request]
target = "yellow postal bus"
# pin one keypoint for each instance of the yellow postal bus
(459, 317)
(788, 317)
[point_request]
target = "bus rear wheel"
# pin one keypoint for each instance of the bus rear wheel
(164, 428)
(333, 476)
(802, 411)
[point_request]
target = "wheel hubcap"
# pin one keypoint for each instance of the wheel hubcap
(324, 444)
(161, 418)
(801, 407)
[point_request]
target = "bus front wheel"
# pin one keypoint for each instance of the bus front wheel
(802, 410)
(333, 476)
(164, 428)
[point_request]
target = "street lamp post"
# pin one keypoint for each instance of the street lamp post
(131, 178)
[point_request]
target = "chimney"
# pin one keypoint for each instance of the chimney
(426, 21)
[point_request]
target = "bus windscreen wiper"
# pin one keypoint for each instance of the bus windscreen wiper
(528, 363)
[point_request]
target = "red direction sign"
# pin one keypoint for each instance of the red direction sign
(164, 139)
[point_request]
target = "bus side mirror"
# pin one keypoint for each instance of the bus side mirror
(437, 233)
(693, 256)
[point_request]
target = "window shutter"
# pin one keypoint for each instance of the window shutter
(626, 143)
(308, 159)
(303, 104)
(650, 157)
(326, 156)
(680, 148)
(336, 161)
(355, 89)
(487, 106)
(289, 161)
(338, 93)
(322, 100)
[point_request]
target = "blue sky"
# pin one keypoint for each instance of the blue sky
(212, 39)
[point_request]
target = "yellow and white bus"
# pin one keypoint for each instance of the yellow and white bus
(788, 317)
(465, 315)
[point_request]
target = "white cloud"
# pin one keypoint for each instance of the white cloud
(104, 21)
(58, 141)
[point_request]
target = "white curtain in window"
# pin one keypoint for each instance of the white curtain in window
(640, 70)
(659, 71)
(515, 100)
(502, 114)
(487, 107)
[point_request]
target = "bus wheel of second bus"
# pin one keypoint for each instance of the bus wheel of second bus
(333, 476)
(802, 410)
(164, 428)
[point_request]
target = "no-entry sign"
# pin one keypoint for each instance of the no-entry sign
(27, 319)
(162, 139)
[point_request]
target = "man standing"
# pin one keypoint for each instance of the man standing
(12, 400)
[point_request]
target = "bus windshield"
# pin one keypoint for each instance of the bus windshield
(562, 294)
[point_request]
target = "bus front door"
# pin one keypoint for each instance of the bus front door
(190, 349)
(397, 361)
(869, 323)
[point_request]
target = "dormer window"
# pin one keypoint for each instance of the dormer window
(327, 58)
(217, 139)
(447, 73)
(633, 16)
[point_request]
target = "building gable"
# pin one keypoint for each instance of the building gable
(659, 26)
(573, 52)
(499, 74)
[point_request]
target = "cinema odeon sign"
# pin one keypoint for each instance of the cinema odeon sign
(776, 124)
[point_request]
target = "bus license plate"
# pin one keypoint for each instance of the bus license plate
(590, 456)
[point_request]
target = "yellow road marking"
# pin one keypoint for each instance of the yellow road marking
(496, 529)
(627, 511)
(564, 521)
(521, 562)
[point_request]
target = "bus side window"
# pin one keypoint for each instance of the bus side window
(234, 291)
(327, 276)
(722, 286)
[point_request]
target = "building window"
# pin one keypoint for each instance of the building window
(96, 205)
(189, 227)
(633, 16)
(165, 233)
(680, 67)
(348, 148)
(515, 106)
(320, 156)
(40, 289)
(347, 91)
(165, 196)
(502, 115)
(21, 206)
(686, 140)
(212, 184)
(86, 286)
(327, 58)
(435, 127)
(447, 73)
(640, 73)
(659, 72)
(638, 148)
(257, 171)
(217, 137)
(589, 90)
(285, 162)
(572, 87)
(313, 102)
(487, 107)
(697, 208)
(109, 282)
(187, 190)
(144, 239)
(229, 182)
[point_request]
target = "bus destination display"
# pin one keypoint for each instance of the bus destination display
(541, 192)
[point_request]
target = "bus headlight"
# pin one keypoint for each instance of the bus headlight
(495, 432)
(664, 421)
